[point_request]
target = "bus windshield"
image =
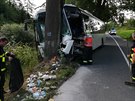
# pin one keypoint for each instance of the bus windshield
(40, 26)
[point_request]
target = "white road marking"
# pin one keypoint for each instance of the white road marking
(121, 52)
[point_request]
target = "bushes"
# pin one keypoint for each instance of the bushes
(15, 33)
(131, 23)
(26, 54)
(21, 44)
(110, 25)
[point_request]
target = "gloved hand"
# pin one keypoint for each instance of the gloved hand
(11, 54)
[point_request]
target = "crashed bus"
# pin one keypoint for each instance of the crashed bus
(81, 32)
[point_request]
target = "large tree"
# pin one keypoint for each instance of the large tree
(52, 32)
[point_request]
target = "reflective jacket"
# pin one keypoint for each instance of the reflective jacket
(2, 60)
(132, 54)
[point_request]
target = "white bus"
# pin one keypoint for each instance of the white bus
(81, 32)
(95, 27)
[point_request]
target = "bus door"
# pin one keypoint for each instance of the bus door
(66, 35)
(75, 22)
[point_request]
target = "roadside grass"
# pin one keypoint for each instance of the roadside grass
(28, 58)
(125, 33)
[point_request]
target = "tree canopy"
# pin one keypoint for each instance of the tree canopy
(11, 12)
(104, 9)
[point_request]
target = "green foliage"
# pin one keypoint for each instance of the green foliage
(105, 10)
(126, 30)
(128, 5)
(20, 43)
(125, 33)
(10, 12)
(26, 54)
(15, 33)
(111, 25)
(70, 1)
(131, 23)
(2, 19)
(65, 71)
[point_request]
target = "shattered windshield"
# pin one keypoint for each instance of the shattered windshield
(65, 27)
(40, 26)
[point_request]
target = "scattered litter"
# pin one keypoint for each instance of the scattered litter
(38, 83)
(34, 84)
(53, 87)
(51, 100)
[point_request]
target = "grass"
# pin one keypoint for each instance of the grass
(125, 33)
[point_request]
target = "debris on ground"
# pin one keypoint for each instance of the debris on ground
(41, 84)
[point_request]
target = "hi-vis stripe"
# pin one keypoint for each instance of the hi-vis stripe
(2, 56)
(3, 59)
(131, 58)
(3, 69)
(133, 78)
(131, 55)
(133, 49)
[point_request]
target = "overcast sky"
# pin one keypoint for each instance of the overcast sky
(36, 2)
(40, 2)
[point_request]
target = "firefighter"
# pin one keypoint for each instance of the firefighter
(3, 42)
(87, 50)
(132, 59)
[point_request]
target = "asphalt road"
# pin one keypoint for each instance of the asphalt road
(104, 80)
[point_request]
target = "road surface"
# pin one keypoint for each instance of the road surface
(104, 80)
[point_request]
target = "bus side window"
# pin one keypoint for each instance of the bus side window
(86, 22)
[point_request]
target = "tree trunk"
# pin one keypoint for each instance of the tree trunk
(52, 29)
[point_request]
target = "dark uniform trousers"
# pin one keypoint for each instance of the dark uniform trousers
(2, 80)
(2, 73)
(133, 72)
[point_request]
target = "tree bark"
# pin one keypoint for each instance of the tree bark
(52, 29)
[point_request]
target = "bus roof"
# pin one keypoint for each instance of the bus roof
(90, 15)
(71, 5)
